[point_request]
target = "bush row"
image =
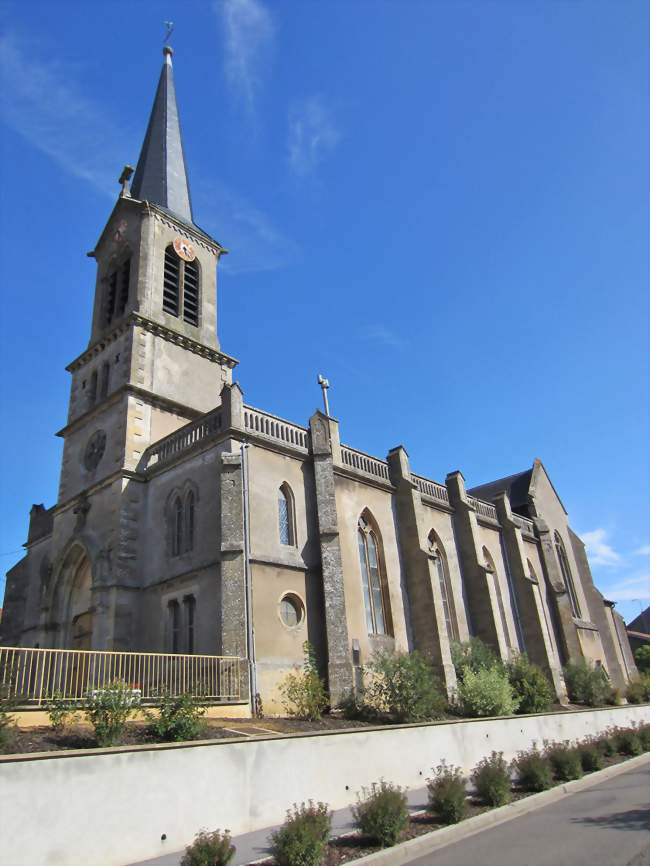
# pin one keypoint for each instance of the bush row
(382, 815)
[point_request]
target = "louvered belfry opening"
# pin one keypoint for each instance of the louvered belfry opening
(181, 288)
(117, 292)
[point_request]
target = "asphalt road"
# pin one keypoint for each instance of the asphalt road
(604, 825)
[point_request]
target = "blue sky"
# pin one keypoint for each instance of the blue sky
(443, 206)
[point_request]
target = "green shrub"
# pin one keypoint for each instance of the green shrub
(627, 741)
(534, 772)
(642, 659)
(644, 737)
(7, 724)
(530, 686)
(472, 655)
(382, 813)
(591, 756)
(60, 712)
(209, 849)
(354, 706)
(565, 761)
(586, 684)
(447, 795)
(303, 692)
(638, 691)
(109, 709)
(302, 839)
(178, 718)
(486, 692)
(404, 686)
(606, 746)
(491, 780)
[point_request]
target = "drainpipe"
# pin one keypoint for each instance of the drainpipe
(250, 627)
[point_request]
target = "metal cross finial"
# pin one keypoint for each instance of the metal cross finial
(324, 383)
(170, 29)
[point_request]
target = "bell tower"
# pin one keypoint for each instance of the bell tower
(153, 362)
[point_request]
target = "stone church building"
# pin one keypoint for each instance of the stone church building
(190, 522)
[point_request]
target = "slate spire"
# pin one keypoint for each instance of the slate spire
(160, 176)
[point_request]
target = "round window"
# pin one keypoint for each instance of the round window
(291, 611)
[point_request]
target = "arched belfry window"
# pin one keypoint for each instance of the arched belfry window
(373, 579)
(116, 295)
(180, 512)
(491, 569)
(437, 553)
(181, 287)
(567, 576)
(286, 516)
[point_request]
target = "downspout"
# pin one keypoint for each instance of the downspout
(250, 627)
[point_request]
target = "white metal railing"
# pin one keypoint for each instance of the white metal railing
(431, 488)
(364, 463)
(34, 676)
(524, 524)
(261, 423)
(483, 508)
(184, 438)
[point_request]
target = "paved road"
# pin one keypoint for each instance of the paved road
(605, 825)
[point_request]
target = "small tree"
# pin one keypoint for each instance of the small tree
(60, 712)
(534, 771)
(404, 686)
(530, 685)
(491, 779)
(303, 692)
(642, 659)
(382, 813)
(486, 692)
(179, 717)
(209, 849)
(565, 761)
(447, 796)
(302, 839)
(108, 710)
(586, 684)
(473, 655)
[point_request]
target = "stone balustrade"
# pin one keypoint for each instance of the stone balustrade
(524, 524)
(431, 489)
(484, 509)
(270, 427)
(184, 438)
(357, 461)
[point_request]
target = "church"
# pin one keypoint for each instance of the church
(189, 522)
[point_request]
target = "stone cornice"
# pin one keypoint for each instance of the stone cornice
(137, 320)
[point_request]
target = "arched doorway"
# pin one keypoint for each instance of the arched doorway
(79, 619)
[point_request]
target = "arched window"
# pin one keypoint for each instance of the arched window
(174, 615)
(189, 521)
(567, 576)
(117, 291)
(437, 554)
(181, 287)
(372, 579)
(106, 380)
(189, 604)
(286, 516)
(92, 391)
(177, 526)
(491, 569)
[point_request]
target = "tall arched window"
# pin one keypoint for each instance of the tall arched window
(567, 576)
(189, 521)
(177, 526)
(181, 287)
(491, 569)
(440, 560)
(189, 604)
(372, 578)
(117, 291)
(286, 516)
(174, 614)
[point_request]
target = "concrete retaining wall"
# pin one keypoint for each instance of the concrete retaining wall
(111, 807)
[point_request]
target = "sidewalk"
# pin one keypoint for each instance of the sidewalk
(254, 846)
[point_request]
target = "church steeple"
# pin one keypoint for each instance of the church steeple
(160, 176)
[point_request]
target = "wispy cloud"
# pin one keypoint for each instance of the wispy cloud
(643, 551)
(254, 242)
(313, 135)
(44, 102)
(249, 34)
(378, 333)
(598, 549)
(632, 589)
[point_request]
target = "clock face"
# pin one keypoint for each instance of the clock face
(94, 450)
(184, 249)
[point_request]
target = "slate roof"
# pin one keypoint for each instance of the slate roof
(161, 176)
(641, 623)
(516, 486)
